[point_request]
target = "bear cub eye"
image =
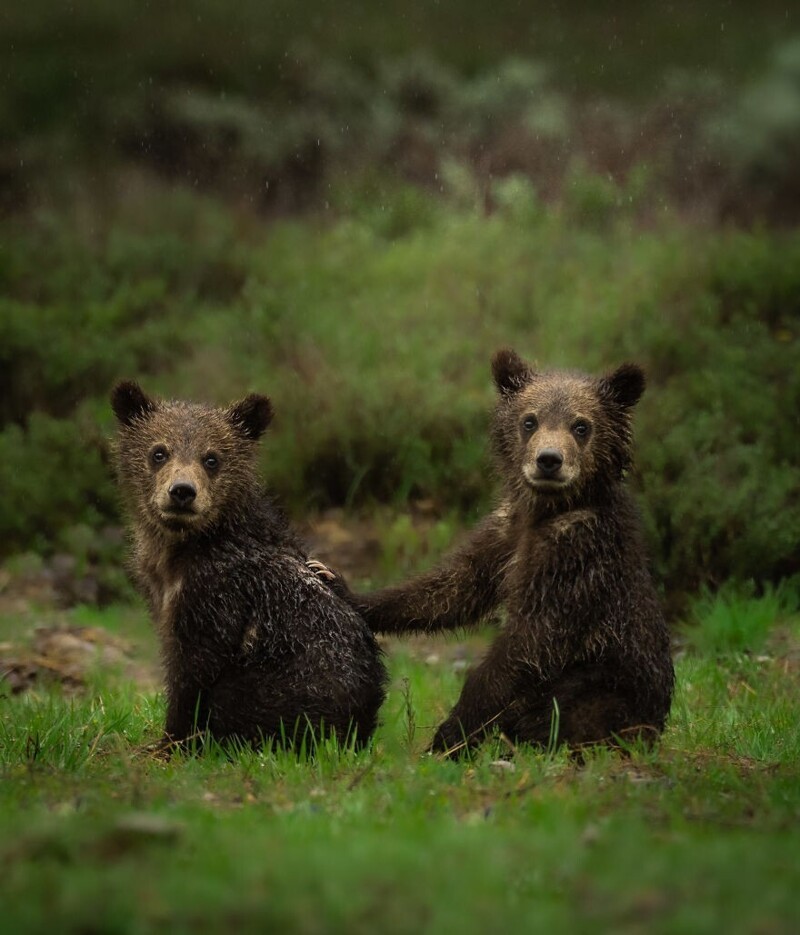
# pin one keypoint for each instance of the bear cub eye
(159, 455)
(530, 424)
(211, 462)
(580, 429)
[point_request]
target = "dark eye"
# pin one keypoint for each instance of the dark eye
(159, 455)
(211, 462)
(530, 424)
(580, 429)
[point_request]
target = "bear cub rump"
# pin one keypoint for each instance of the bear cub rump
(255, 648)
(584, 655)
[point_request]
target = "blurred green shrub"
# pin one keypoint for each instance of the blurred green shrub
(500, 95)
(515, 196)
(590, 199)
(75, 315)
(387, 206)
(373, 338)
(267, 104)
(419, 85)
(758, 136)
(720, 465)
(53, 476)
(53, 356)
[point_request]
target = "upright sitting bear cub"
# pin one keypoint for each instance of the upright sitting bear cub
(584, 649)
(255, 647)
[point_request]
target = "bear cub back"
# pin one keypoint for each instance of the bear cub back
(255, 648)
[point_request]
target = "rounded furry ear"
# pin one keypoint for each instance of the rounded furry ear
(510, 372)
(251, 415)
(624, 386)
(130, 402)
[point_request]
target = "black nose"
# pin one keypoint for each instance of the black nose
(182, 494)
(549, 461)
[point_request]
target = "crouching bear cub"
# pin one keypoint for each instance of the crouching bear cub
(584, 650)
(255, 648)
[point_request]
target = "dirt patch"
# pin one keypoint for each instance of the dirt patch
(66, 656)
(349, 545)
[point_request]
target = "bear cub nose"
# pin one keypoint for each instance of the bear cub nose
(182, 494)
(549, 461)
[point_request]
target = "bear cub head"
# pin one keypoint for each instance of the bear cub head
(562, 435)
(184, 466)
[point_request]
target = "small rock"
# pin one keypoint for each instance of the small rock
(146, 825)
(502, 766)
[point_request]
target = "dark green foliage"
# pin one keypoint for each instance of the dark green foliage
(270, 103)
(475, 184)
(719, 450)
(53, 475)
(758, 135)
(373, 342)
(75, 315)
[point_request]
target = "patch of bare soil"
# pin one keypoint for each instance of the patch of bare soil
(347, 544)
(67, 655)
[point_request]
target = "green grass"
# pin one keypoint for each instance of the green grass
(696, 836)
(735, 621)
(149, 229)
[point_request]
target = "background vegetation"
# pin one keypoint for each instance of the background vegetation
(350, 212)
(350, 206)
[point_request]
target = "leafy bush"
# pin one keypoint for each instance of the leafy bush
(53, 476)
(590, 199)
(758, 136)
(720, 473)
(372, 333)
(75, 315)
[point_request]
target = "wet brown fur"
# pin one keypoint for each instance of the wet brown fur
(584, 654)
(254, 647)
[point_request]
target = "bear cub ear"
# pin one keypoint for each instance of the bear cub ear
(624, 386)
(130, 402)
(251, 415)
(510, 372)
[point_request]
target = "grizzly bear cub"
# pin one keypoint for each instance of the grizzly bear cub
(584, 655)
(255, 648)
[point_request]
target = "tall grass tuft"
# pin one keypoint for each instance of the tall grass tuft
(737, 620)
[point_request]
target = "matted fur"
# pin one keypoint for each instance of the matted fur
(255, 648)
(584, 655)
